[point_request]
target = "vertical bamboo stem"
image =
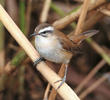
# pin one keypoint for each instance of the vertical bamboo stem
(82, 17)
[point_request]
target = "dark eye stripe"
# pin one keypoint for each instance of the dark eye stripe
(49, 31)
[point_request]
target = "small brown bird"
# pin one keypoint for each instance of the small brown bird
(55, 46)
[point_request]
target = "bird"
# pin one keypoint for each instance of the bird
(53, 45)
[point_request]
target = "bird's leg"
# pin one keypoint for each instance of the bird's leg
(64, 78)
(38, 60)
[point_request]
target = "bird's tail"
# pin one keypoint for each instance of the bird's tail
(79, 38)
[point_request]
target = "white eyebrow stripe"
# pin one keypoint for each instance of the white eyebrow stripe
(49, 28)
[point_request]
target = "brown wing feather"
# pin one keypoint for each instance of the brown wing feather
(65, 41)
(73, 45)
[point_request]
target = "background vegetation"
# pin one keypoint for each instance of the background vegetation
(88, 72)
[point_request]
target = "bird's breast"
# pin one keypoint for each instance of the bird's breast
(50, 49)
(46, 43)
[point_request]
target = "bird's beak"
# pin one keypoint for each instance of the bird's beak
(34, 34)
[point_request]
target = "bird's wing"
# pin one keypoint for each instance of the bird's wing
(76, 40)
(64, 40)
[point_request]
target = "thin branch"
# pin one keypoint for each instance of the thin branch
(53, 93)
(96, 17)
(94, 86)
(63, 22)
(46, 92)
(90, 75)
(105, 11)
(82, 17)
(90, 22)
(45, 10)
(93, 43)
(65, 91)
(22, 15)
(28, 15)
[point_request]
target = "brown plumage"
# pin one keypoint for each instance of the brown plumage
(55, 46)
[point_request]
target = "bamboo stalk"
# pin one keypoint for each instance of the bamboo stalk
(44, 14)
(65, 91)
(21, 55)
(2, 31)
(2, 53)
(82, 17)
(2, 39)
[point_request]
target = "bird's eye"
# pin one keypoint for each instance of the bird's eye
(43, 32)
(46, 32)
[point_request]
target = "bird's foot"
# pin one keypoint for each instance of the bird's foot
(63, 79)
(38, 60)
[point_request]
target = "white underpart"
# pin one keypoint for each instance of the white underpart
(49, 28)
